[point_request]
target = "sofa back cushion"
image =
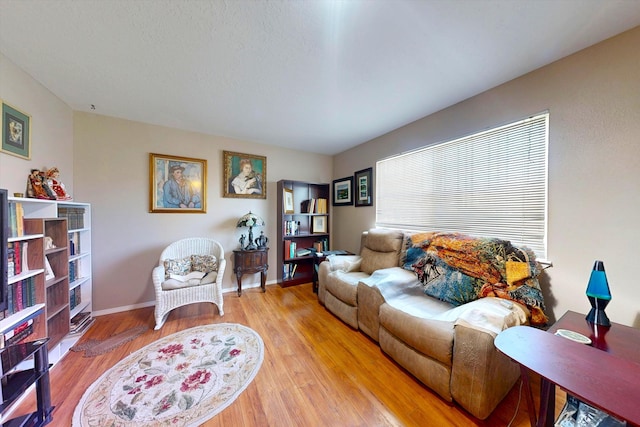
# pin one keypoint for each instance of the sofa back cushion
(381, 250)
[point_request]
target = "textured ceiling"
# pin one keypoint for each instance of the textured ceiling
(316, 75)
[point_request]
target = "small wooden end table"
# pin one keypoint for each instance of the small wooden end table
(603, 374)
(254, 261)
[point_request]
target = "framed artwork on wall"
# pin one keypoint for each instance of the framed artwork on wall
(288, 201)
(342, 191)
(177, 184)
(245, 176)
(364, 187)
(16, 132)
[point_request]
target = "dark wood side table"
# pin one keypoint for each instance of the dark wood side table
(317, 259)
(604, 379)
(255, 261)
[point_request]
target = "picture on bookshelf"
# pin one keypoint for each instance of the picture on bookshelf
(319, 224)
(364, 187)
(244, 175)
(342, 191)
(16, 132)
(177, 184)
(288, 201)
(48, 270)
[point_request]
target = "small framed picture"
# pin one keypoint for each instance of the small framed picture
(319, 224)
(342, 191)
(288, 201)
(177, 184)
(245, 175)
(49, 275)
(364, 187)
(16, 132)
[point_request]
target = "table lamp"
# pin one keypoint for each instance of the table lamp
(250, 220)
(599, 295)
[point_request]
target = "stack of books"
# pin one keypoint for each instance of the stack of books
(80, 322)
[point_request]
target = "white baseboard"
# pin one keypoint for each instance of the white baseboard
(152, 303)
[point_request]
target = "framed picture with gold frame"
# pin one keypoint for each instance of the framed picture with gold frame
(16, 132)
(288, 201)
(244, 176)
(177, 184)
(319, 224)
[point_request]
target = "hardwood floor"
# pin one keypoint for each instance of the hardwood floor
(317, 371)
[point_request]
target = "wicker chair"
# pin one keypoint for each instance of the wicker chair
(167, 299)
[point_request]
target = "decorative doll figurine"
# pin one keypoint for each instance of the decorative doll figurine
(242, 240)
(37, 186)
(56, 185)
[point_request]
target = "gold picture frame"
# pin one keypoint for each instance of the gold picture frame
(319, 224)
(244, 175)
(287, 200)
(177, 184)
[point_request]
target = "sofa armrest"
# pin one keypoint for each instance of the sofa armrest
(347, 263)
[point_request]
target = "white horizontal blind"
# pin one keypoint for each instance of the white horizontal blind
(491, 184)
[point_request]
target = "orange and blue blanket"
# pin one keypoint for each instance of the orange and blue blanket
(458, 269)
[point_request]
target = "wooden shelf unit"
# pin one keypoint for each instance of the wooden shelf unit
(305, 236)
(56, 288)
(34, 239)
(68, 223)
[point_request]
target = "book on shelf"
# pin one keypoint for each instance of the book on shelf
(291, 228)
(18, 333)
(20, 295)
(322, 206)
(11, 263)
(303, 252)
(79, 320)
(289, 270)
(17, 256)
(16, 219)
(81, 327)
(287, 249)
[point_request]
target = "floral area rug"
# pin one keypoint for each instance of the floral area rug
(180, 380)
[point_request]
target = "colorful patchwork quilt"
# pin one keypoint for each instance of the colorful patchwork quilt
(458, 269)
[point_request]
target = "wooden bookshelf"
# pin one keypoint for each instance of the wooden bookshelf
(306, 227)
(57, 299)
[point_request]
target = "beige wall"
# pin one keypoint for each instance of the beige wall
(51, 129)
(111, 166)
(104, 161)
(594, 166)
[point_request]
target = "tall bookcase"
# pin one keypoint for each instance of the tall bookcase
(303, 224)
(59, 272)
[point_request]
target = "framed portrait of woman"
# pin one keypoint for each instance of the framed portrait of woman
(245, 175)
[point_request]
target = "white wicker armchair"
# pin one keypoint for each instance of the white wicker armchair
(168, 299)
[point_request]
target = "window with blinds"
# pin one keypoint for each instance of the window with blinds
(491, 184)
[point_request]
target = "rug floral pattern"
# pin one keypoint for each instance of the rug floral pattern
(180, 380)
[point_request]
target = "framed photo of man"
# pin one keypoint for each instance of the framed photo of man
(16, 132)
(177, 184)
(245, 175)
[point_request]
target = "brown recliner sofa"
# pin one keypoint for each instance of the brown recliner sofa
(449, 349)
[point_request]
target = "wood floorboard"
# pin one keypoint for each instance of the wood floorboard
(317, 371)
